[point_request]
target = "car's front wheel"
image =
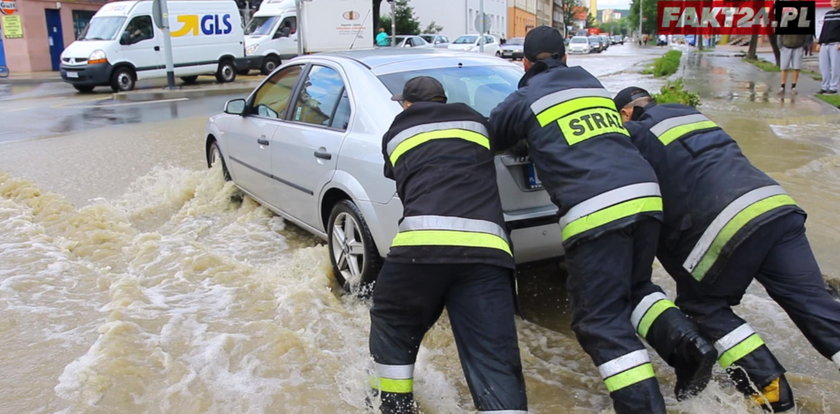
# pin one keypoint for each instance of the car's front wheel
(214, 156)
(353, 254)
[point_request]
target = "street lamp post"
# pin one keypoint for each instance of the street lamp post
(640, 19)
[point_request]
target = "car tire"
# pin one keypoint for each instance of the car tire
(214, 155)
(269, 64)
(122, 79)
(354, 257)
(189, 79)
(84, 88)
(226, 71)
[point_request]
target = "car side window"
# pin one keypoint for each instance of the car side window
(488, 40)
(138, 29)
(317, 100)
(272, 98)
(342, 112)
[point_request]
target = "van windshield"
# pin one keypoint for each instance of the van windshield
(102, 28)
(261, 25)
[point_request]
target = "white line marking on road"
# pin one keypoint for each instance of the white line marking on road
(126, 103)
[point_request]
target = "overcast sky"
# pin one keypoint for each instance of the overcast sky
(612, 4)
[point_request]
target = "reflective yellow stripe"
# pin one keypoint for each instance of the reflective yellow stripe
(739, 221)
(424, 137)
(450, 238)
(573, 105)
(612, 213)
(675, 133)
(629, 377)
(400, 386)
(590, 123)
(741, 350)
(652, 314)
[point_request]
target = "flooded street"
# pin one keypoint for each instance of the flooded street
(135, 280)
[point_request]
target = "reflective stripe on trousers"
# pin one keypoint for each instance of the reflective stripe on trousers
(626, 370)
(737, 344)
(451, 231)
(610, 206)
(728, 222)
(412, 137)
(398, 379)
(672, 129)
(648, 309)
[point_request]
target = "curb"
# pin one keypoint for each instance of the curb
(158, 94)
(27, 81)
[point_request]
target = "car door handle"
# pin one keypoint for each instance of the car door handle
(263, 141)
(323, 155)
(157, 48)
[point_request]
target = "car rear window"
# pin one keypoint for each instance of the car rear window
(480, 87)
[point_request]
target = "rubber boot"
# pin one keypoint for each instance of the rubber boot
(397, 403)
(679, 342)
(777, 396)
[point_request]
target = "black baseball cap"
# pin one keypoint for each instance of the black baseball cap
(543, 39)
(421, 89)
(629, 94)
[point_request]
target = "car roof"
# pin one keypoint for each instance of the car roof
(389, 60)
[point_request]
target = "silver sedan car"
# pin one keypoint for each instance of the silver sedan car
(306, 143)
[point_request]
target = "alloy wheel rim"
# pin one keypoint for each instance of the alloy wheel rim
(348, 249)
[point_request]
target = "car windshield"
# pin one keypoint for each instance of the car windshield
(578, 40)
(516, 41)
(429, 39)
(465, 40)
(261, 25)
(102, 28)
(480, 87)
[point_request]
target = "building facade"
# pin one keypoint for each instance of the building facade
(458, 17)
(522, 16)
(35, 32)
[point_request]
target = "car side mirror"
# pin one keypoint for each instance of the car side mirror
(235, 107)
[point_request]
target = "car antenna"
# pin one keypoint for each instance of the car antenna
(361, 26)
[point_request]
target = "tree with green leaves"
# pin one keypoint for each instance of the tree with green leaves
(433, 28)
(406, 22)
(649, 14)
(569, 7)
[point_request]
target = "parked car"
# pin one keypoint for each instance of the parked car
(437, 40)
(579, 44)
(594, 44)
(409, 41)
(605, 42)
(512, 49)
(306, 143)
(618, 40)
(470, 43)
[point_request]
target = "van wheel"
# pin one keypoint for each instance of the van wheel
(189, 79)
(84, 88)
(226, 71)
(269, 64)
(353, 255)
(122, 79)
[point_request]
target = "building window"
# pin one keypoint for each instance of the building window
(81, 18)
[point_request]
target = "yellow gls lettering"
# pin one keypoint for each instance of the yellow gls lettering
(590, 123)
(210, 24)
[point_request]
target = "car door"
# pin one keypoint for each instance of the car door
(140, 47)
(305, 149)
(249, 137)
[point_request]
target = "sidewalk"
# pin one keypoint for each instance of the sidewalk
(152, 89)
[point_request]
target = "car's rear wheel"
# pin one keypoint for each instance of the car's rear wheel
(214, 156)
(226, 71)
(353, 254)
(84, 88)
(269, 64)
(189, 79)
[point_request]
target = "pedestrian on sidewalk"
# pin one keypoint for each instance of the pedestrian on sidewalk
(452, 251)
(792, 47)
(610, 210)
(829, 48)
(728, 223)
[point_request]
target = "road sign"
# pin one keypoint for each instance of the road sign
(488, 23)
(8, 7)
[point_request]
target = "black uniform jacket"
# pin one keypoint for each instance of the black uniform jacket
(440, 157)
(702, 172)
(581, 150)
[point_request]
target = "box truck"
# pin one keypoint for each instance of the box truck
(275, 33)
(122, 45)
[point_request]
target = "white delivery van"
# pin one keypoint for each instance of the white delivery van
(272, 35)
(121, 44)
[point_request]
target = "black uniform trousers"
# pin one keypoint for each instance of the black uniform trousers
(777, 255)
(608, 276)
(409, 298)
